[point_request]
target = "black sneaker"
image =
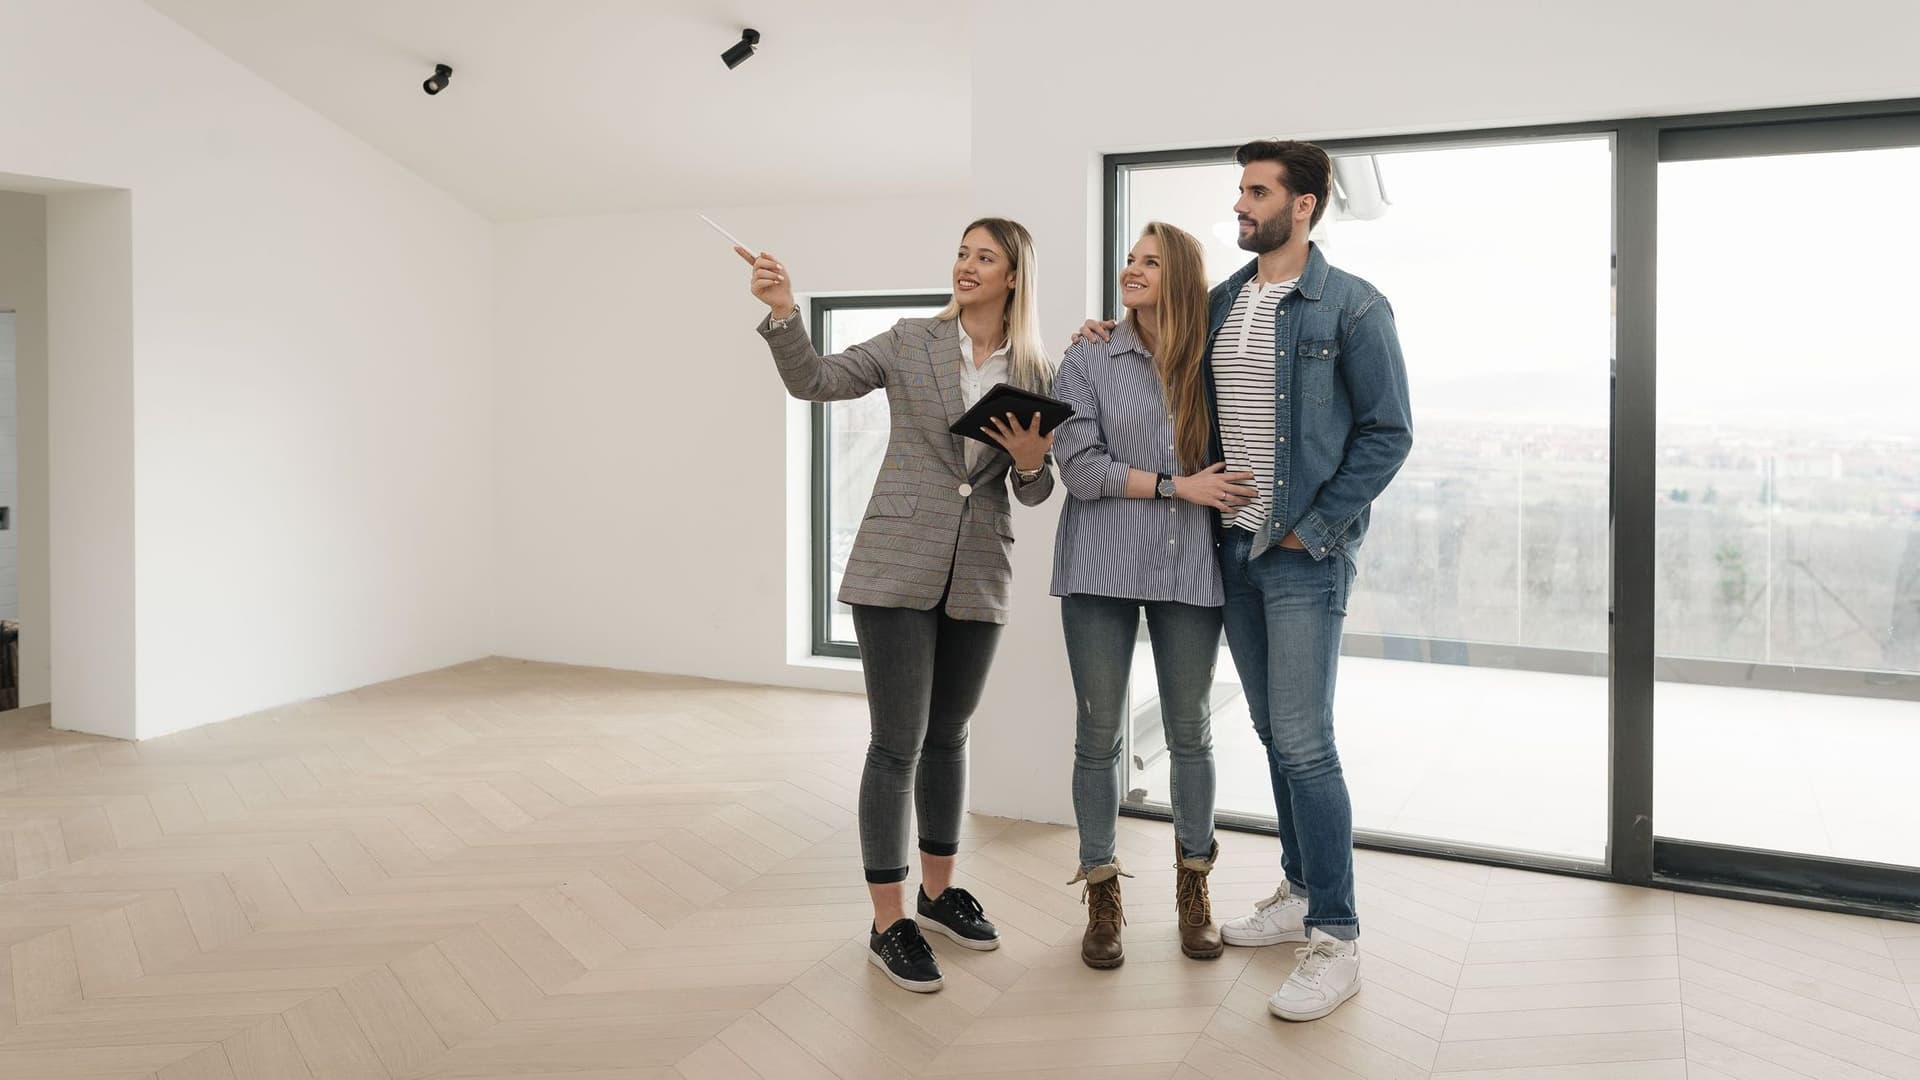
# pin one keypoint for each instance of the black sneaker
(903, 953)
(959, 916)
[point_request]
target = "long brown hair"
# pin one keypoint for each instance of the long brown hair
(1180, 319)
(1029, 364)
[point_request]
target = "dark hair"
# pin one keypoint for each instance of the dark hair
(1307, 170)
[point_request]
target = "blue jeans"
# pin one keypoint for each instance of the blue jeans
(1284, 615)
(1186, 645)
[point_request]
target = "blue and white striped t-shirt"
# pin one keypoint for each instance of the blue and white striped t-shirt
(1245, 395)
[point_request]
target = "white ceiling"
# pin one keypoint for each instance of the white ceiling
(563, 107)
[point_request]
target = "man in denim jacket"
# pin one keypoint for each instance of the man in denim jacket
(1309, 392)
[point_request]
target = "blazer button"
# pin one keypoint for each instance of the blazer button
(966, 490)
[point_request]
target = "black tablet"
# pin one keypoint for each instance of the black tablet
(1007, 398)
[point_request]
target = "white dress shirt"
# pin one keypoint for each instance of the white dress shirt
(976, 380)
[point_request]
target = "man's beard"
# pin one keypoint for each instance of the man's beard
(1271, 236)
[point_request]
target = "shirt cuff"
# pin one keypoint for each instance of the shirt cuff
(1313, 532)
(1116, 483)
(768, 329)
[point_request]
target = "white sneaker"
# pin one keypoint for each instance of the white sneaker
(1280, 917)
(1327, 975)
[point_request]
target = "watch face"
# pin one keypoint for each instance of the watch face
(1166, 489)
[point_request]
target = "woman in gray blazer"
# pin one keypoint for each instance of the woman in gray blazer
(929, 577)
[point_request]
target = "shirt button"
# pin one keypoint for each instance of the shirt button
(1169, 543)
(1279, 483)
(966, 490)
(1283, 397)
(1283, 438)
(1283, 352)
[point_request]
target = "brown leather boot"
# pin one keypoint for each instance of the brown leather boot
(1199, 937)
(1100, 948)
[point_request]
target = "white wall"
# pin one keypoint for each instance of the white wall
(23, 290)
(369, 434)
(90, 416)
(1404, 65)
(309, 388)
(637, 529)
(9, 468)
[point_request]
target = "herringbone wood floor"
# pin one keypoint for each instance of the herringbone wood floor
(511, 869)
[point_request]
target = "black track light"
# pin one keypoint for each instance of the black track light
(741, 49)
(441, 74)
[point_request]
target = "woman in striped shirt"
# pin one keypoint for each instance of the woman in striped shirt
(1138, 535)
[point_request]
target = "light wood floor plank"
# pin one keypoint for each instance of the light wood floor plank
(519, 870)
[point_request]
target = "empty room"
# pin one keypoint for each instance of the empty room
(859, 539)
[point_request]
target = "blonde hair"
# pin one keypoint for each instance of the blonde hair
(1029, 366)
(1180, 322)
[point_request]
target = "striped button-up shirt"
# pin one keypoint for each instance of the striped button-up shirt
(1108, 544)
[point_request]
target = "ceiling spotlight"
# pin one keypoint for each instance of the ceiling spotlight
(441, 74)
(741, 49)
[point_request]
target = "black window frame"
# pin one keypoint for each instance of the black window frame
(1635, 854)
(820, 480)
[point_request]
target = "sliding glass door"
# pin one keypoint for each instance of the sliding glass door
(1788, 505)
(1473, 683)
(1645, 601)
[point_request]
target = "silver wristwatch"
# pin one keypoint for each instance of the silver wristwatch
(781, 324)
(1028, 476)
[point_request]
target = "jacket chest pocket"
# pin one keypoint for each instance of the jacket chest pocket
(1314, 366)
(891, 505)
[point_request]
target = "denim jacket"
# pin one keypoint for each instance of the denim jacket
(1345, 426)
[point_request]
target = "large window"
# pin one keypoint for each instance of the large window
(1479, 620)
(1788, 505)
(1645, 600)
(849, 439)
